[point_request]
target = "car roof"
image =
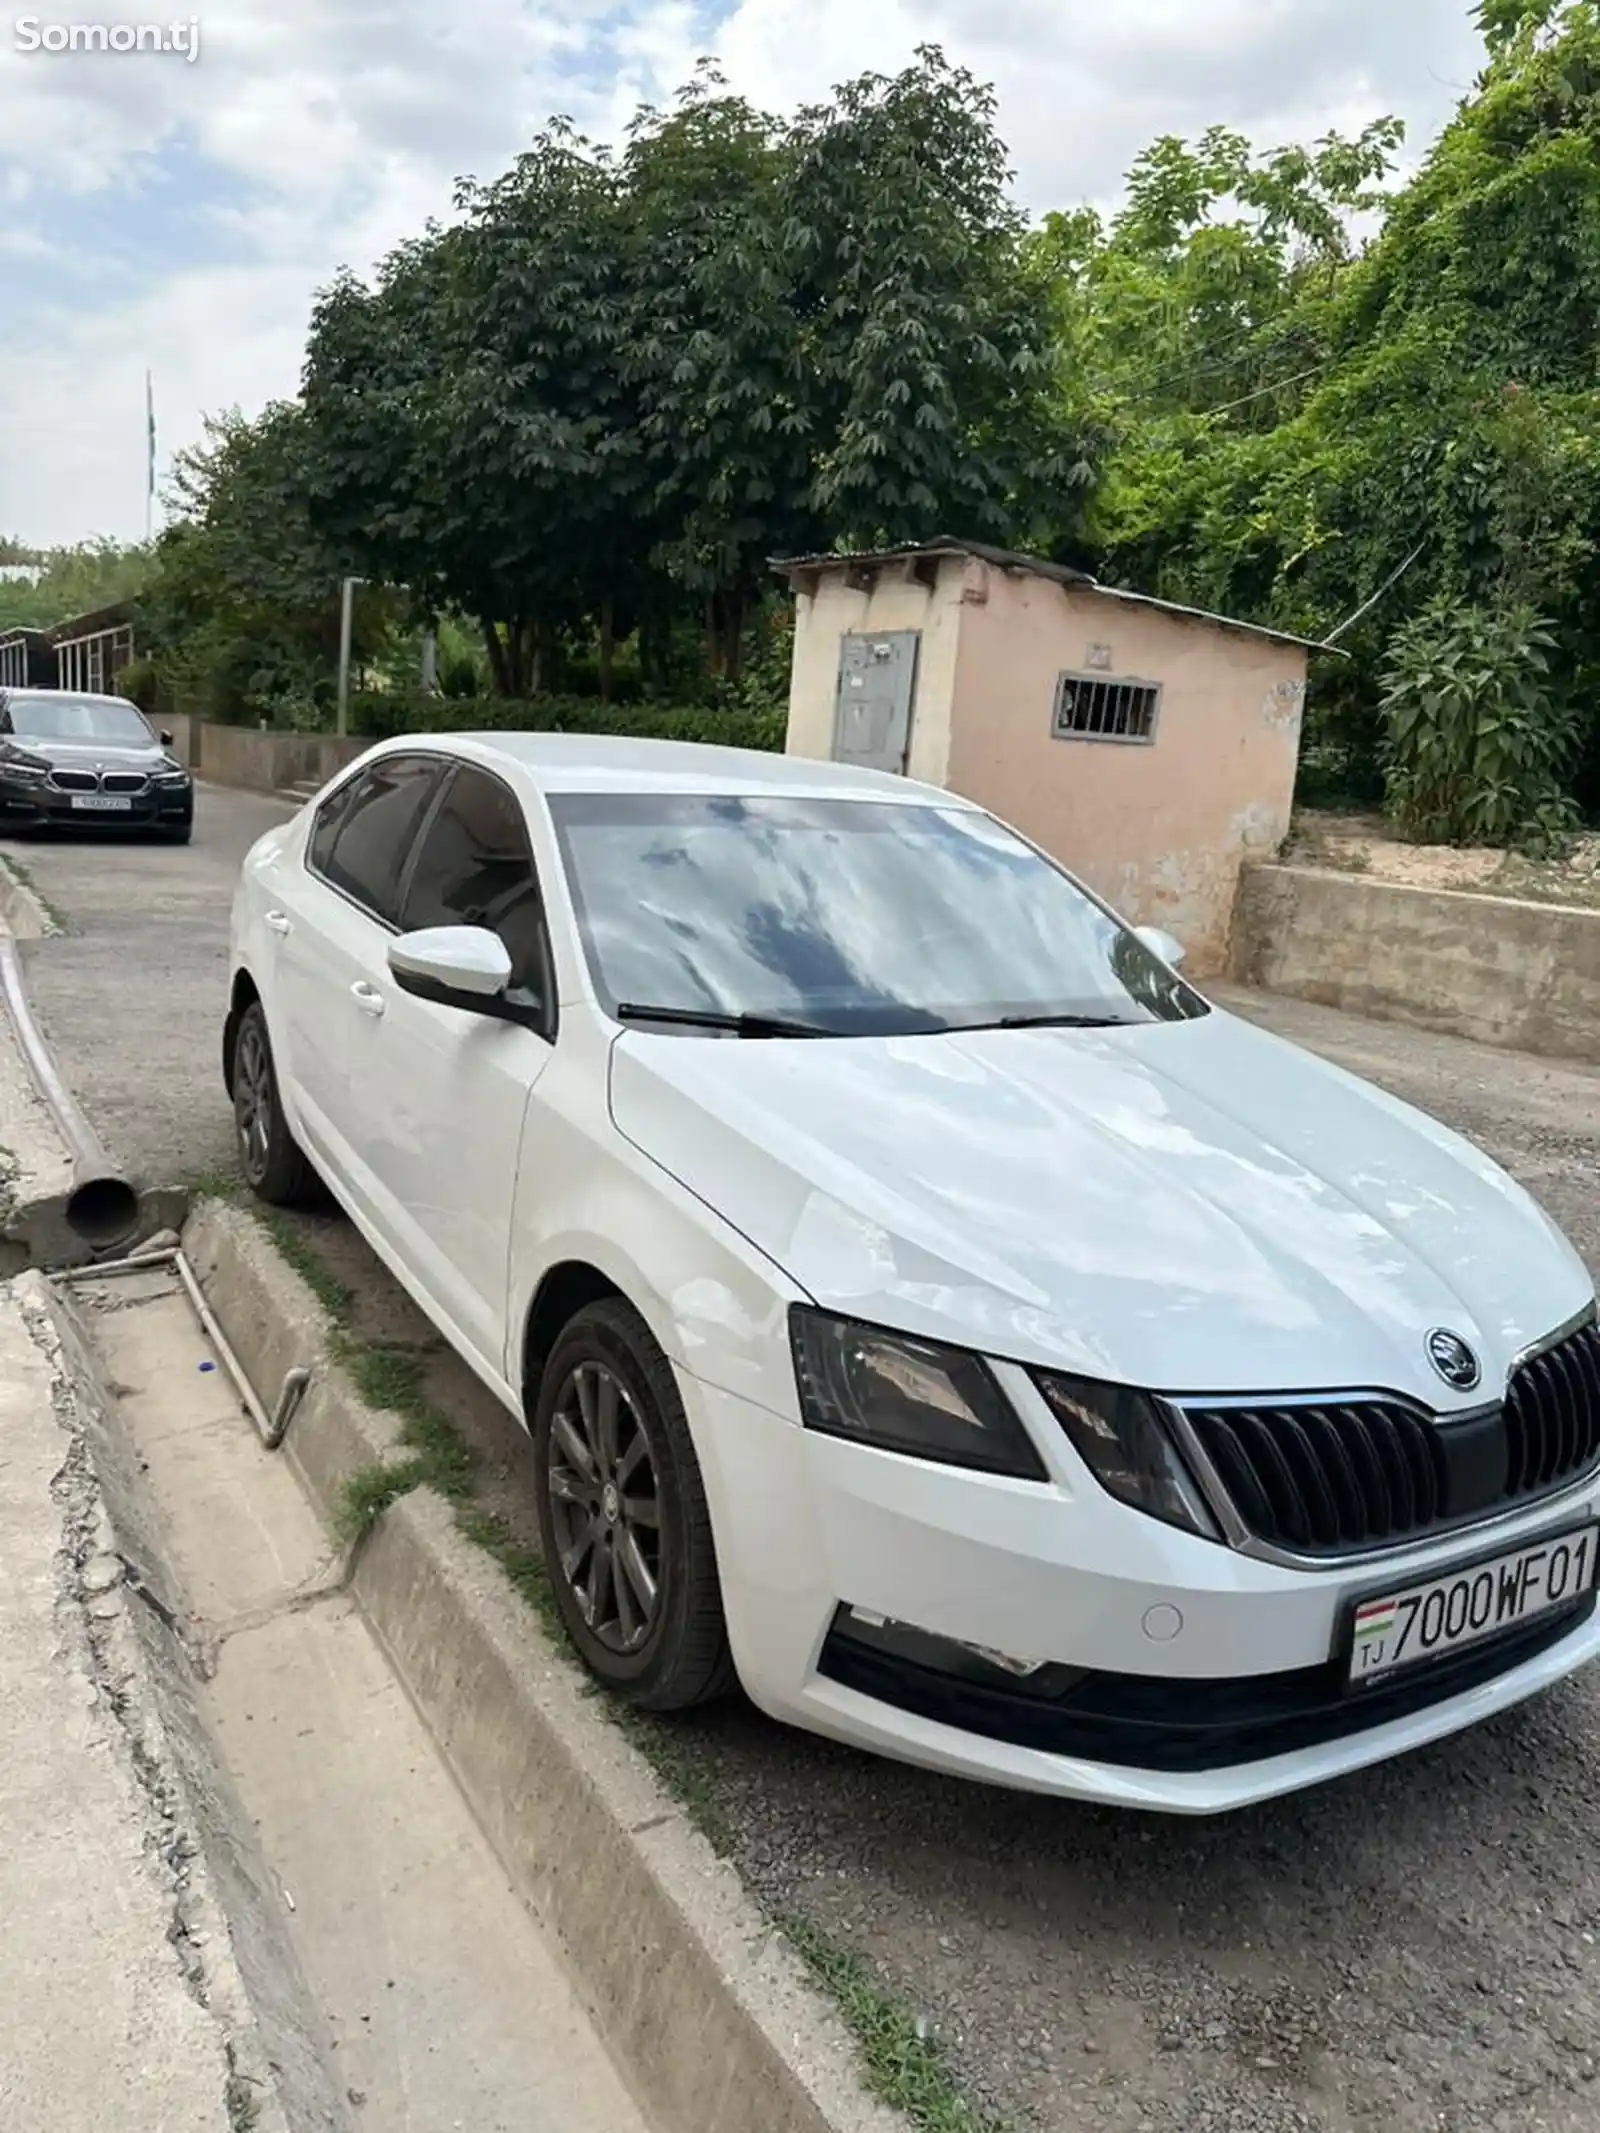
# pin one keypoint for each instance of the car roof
(603, 762)
(56, 696)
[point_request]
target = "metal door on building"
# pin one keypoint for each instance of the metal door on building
(877, 689)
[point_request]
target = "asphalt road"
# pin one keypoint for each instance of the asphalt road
(1416, 1949)
(132, 998)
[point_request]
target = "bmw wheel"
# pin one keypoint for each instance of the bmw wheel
(274, 1167)
(623, 1517)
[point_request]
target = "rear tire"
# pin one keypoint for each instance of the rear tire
(274, 1167)
(623, 1519)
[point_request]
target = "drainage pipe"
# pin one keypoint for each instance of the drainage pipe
(102, 1207)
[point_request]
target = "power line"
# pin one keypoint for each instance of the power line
(1367, 606)
(1282, 385)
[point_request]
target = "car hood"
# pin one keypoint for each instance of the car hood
(1193, 1207)
(97, 755)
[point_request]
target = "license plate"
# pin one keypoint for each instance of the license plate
(102, 803)
(1464, 1606)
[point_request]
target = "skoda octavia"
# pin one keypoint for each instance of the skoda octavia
(925, 1307)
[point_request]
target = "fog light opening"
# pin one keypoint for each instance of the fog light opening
(906, 1636)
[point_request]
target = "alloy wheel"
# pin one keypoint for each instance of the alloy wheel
(606, 1509)
(252, 1100)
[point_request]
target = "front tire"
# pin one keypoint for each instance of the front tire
(274, 1167)
(623, 1519)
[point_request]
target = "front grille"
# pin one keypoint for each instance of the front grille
(123, 781)
(74, 781)
(1341, 1476)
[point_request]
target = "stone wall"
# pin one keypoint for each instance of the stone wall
(1523, 975)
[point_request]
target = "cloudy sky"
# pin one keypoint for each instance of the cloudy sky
(176, 215)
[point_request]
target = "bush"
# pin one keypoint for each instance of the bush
(1477, 743)
(378, 714)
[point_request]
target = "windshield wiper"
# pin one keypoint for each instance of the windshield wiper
(1057, 1022)
(708, 1018)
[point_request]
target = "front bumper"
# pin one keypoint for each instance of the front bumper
(1227, 1663)
(42, 807)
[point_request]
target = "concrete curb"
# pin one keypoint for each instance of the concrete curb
(243, 1969)
(710, 2015)
(22, 912)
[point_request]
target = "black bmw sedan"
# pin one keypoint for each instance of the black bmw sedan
(88, 762)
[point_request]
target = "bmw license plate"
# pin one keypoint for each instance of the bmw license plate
(1464, 1606)
(102, 803)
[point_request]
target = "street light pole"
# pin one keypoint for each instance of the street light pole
(347, 604)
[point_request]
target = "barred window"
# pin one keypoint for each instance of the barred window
(1089, 708)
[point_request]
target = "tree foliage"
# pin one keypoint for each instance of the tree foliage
(616, 386)
(586, 412)
(71, 581)
(1422, 409)
(241, 608)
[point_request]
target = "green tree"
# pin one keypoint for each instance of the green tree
(74, 580)
(241, 610)
(926, 335)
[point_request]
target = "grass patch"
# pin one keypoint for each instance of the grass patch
(390, 1379)
(368, 1493)
(523, 1565)
(333, 1294)
(905, 2068)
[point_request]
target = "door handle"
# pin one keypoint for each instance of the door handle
(279, 922)
(367, 998)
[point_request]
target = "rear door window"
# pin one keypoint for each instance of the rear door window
(364, 832)
(475, 867)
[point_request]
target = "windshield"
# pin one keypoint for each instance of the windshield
(854, 917)
(77, 718)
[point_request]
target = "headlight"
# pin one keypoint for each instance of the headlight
(172, 777)
(1120, 1438)
(15, 764)
(906, 1395)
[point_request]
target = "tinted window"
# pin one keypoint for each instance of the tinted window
(79, 718)
(364, 830)
(857, 916)
(475, 868)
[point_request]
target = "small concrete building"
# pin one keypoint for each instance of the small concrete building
(1152, 749)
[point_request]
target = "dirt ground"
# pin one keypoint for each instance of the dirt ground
(1364, 844)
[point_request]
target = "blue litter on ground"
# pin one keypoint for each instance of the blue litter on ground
(208, 1366)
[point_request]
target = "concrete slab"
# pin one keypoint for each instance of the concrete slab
(99, 2024)
(445, 2004)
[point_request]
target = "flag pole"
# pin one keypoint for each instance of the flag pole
(150, 456)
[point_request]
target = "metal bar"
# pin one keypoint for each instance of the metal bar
(100, 1269)
(225, 1355)
(272, 1429)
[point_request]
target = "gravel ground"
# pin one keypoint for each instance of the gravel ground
(1412, 1949)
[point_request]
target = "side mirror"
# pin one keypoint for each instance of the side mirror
(454, 966)
(1161, 945)
(164, 737)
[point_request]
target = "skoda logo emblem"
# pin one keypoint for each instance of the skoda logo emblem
(1453, 1360)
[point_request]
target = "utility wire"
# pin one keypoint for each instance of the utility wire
(1367, 606)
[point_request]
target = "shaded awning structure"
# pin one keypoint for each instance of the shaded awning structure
(84, 652)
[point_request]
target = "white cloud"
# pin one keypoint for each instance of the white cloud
(340, 124)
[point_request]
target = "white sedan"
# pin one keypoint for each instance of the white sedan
(924, 1306)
